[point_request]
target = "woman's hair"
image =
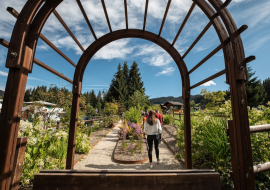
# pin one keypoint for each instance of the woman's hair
(151, 120)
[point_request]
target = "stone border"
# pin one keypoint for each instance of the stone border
(96, 144)
(128, 162)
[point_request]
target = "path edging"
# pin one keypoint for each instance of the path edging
(127, 162)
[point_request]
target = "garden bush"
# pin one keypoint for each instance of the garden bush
(168, 119)
(46, 148)
(133, 114)
(211, 147)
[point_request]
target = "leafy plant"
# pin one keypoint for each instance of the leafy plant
(168, 119)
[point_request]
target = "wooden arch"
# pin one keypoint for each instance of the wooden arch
(20, 60)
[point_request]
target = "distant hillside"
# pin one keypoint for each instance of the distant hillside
(161, 100)
(2, 93)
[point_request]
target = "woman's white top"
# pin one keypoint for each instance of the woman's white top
(152, 129)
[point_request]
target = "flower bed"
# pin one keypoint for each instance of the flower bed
(131, 152)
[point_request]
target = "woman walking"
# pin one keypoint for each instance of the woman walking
(152, 128)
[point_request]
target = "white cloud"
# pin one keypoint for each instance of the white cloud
(209, 83)
(117, 49)
(33, 78)
(3, 73)
(166, 71)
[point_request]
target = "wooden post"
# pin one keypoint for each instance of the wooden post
(73, 126)
(18, 162)
(187, 129)
(10, 118)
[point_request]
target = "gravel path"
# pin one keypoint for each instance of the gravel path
(101, 157)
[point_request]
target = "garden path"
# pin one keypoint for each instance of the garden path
(101, 157)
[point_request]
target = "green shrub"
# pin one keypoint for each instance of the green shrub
(133, 114)
(168, 120)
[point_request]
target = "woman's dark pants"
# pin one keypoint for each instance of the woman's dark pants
(150, 139)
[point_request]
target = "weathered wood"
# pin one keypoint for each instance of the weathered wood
(197, 39)
(130, 180)
(44, 66)
(209, 78)
(18, 162)
(39, 63)
(226, 3)
(86, 18)
(126, 15)
(47, 41)
(115, 171)
(73, 128)
(145, 14)
(184, 22)
(165, 15)
(67, 29)
(4, 43)
(106, 14)
(250, 58)
(187, 131)
(19, 33)
(130, 33)
(243, 174)
(261, 167)
(226, 42)
(259, 128)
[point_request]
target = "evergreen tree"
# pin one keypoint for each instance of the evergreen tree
(266, 85)
(125, 88)
(134, 80)
(254, 88)
(93, 98)
(116, 90)
(27, 95)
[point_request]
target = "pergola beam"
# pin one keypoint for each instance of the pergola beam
(165, 15)
(184, 22)
(226, 42)
(106, 14)
(198, 38)
(145, 14)
(67, 29)
(39, 63)
(86, 18)
(13, 12)
(209, 78)
(126, 15)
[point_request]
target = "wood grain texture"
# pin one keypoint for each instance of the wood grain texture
(18, 162)
(108, 181)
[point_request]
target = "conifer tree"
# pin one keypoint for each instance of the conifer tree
(266, 85)
(254, 88)
(116, 90)
(93, 98)
(134, 80)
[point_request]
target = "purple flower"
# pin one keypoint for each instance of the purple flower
(144, 140)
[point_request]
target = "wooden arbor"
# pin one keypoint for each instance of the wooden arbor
(20, 60)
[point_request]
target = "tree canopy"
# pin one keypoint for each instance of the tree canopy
(255, 90)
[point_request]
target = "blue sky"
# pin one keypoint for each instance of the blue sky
(159, 72)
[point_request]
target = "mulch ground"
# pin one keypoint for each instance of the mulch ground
(125, 156)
